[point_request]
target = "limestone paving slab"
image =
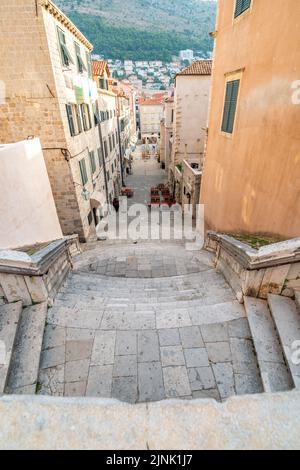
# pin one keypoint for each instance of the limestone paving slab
(176, 382)
(148, 346)
(172, 356)
(191, 337)
(169, 337)
(99, 382)
(150, 382)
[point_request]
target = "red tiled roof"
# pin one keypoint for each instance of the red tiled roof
(151, 101)
(99, 67)
(200, 67)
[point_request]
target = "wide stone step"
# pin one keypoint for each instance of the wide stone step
(274, 372)
(287, 320)
(9, 320)
(23, 374)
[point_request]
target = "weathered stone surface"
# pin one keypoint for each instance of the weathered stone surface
(104, 348)
(252, 422)
(99, 381)
(177, 319)
(75, 389)
(217, 313)
(15, 289)
(201, 378)
(125, 389)
(287, 319)
(150, 382)
(225, 379)
(54, 336)
(196, 357)
(53, 357)
(126, 343)
(27, 349)
(52, 381)
(248, 384)
(169, 337)
(77, 371)
(176, 382)
(172, 356)
(148, 346)
(125, 366)
(219, 352)
(76, 350)
(215, 332)
(239, 329)
(191, 337)
(9, 319)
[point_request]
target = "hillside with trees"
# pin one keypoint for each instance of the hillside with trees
(144, 29)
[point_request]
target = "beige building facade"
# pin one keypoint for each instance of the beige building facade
(108, 121)
(166, 134)
(50, 94)
(251, 181)
(191, 102)
(151, 114)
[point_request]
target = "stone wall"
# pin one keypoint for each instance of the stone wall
(16, 285)
(279, 272)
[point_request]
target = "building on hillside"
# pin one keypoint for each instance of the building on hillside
(24, 221)
(124, 127)
(108, 122)
(151, 114)
(50, 93)
(252, 166)
(191, 100)
(166, 133)
(187, 54)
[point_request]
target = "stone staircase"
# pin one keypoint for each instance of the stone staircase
(137, 339)
(21, 336)
(243, 345)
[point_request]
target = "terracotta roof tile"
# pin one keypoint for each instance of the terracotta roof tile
(200, 67)
(99, 67)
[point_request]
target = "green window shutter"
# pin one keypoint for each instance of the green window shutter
(241, 6)
(80, 64)
(89, 64)
(93, 162)
(84, 176)
(100, 157)
(71, 119)
(78, 117)
(65, 54)
(232, 91)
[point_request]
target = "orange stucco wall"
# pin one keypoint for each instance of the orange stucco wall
(251, 178)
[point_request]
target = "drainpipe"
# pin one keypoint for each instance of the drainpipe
(120, 151)
(103, 159)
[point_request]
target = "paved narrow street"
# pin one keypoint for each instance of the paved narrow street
(147, 321)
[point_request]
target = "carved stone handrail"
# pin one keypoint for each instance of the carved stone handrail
(20, 263)
(276, 254)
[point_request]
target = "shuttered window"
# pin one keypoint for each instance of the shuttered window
(71, 119)
(99, 151)
(93, 162)
(241, 6)
(89, 64)
(86, 117)
(65, 54)
(78, 119)
(83, 172)
(80, 64)
(110, 143)
(105, 149)
(232, 91)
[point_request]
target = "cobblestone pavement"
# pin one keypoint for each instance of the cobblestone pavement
(147, 322)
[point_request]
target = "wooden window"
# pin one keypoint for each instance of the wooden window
(83, 172)
(71, 119)
(100, 156)
(93, 162)
(80, 64)
(232, 91)
(89, 64)
(64, 52)
(86, 117)
(241, 6)
(78, 119)
(105, 149)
